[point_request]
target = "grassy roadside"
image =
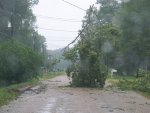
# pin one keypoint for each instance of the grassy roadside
(115, 81)
(7, 93)
(140, 85)
(50, 75)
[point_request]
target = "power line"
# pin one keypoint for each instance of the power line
(55, 29)
(58, 19)
(85, 27)
(49, 29)
(63, 19)
(58, 36)
(59, 40)
(74, 5)
(43, 16)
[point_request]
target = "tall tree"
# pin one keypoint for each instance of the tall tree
(27, 48)
(98, 40)
(107, 11)
(134, 22)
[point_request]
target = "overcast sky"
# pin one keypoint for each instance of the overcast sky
(55, 30)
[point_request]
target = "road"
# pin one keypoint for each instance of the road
(57, 98)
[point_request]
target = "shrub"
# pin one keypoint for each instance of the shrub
(143, 83)
(139, 84)
(17, 62)
(88, 72)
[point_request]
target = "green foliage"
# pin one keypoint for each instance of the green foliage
(86, 70)
(6, 96)
(125, 84)
(107, 11)
(92, 76)
(69, 70)
(51, 64)
(20, 59)
(95, 52)
(139, 84)
(8, 93)
(133, 20)
(17, 62)
(50, 75)
(143, 83)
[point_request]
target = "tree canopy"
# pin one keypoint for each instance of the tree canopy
(114, 37)
(22, 49)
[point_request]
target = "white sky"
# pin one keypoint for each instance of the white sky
(60, 9)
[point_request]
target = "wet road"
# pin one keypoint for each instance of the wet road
(60, 99)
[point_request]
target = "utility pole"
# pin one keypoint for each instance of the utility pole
(34, 41)
(84, 27)
(12, 20)
(1, 5)
(11, 26)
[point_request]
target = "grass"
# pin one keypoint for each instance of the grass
(50, 75)
(140, 85)
(7, 93)
(145, 94)
(6, 96)
(116, 79)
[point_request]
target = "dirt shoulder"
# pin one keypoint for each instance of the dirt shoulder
(60, 99)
